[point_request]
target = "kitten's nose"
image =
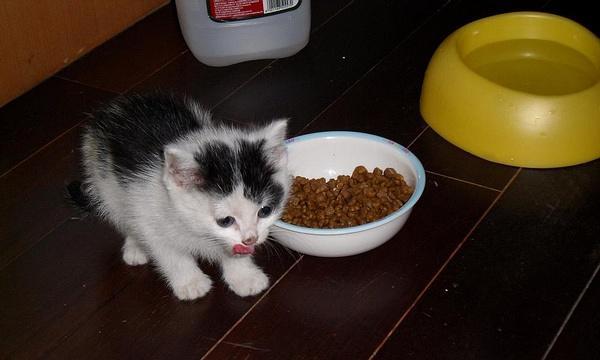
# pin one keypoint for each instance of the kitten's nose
(250, 241)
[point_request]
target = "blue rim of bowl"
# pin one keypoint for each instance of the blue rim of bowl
(419, 186)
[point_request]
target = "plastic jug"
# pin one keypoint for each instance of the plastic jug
(225, 32)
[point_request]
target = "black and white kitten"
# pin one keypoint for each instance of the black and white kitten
(178, 186)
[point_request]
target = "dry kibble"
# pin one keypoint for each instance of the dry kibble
(346, 200)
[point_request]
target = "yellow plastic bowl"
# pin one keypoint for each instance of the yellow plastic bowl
(519, 89)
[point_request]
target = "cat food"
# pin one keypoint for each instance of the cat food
(346, 200)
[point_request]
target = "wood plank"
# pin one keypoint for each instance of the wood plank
(208, 85)
(340, 53)
(341, 308)
(56, 286)
(524, 269)
(515, 280)
(38, 117)
(33, 201)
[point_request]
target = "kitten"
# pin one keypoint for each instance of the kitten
(178, 186)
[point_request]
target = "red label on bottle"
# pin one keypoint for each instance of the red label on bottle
(228, 10)
(235, 9)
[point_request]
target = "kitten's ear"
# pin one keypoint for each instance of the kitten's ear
(275, 134)
(181, 169)
(276, 131)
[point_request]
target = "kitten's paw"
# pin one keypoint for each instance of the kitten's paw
(195, 288)
(133, 255)
(247, 283)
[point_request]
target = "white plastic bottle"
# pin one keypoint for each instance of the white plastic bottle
(225, 32)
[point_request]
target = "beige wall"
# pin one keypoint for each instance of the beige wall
(40, 37)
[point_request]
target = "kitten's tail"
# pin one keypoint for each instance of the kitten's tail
(78, 197)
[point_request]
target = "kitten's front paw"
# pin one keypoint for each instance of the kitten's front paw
(247, 283)
(133, 255)
(193, 289)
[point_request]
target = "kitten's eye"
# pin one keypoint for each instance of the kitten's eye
(227, 221)
(264, 211)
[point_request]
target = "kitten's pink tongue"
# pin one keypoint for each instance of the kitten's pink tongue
(243, 249)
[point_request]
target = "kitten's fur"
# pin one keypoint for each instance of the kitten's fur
(178, 187)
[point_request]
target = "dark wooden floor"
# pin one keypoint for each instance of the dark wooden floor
(495, 262)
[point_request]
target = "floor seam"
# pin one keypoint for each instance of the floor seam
(246, 82)
(78, 82)
(318, 27)
(571, 311)
(463, 181)
(241, 319)
(128, 89)
(43, 147)
(417, 137)
(32, 245)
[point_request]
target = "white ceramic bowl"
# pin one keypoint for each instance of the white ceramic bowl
(332, 153)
